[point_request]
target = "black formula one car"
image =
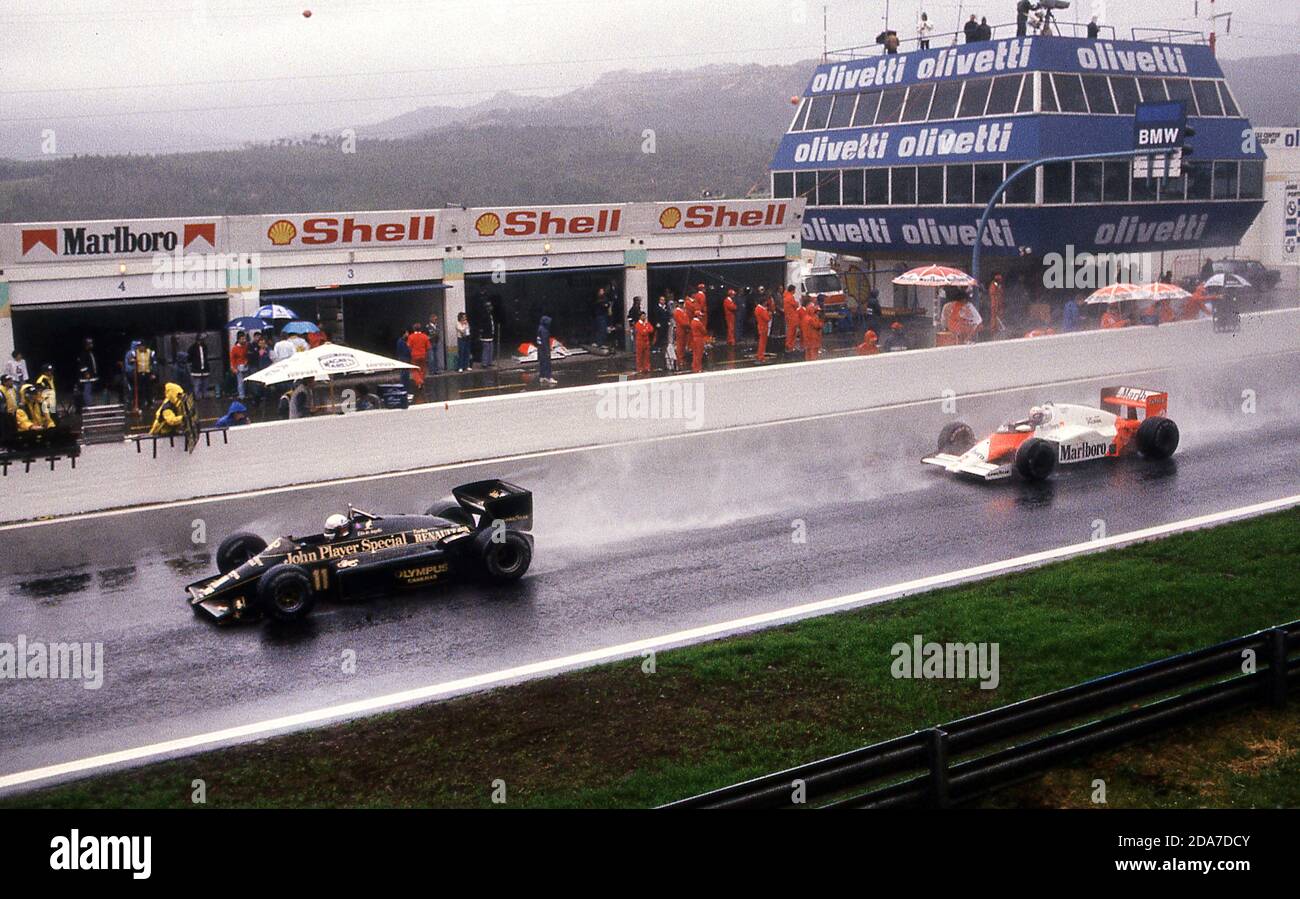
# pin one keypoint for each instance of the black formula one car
(478, 532)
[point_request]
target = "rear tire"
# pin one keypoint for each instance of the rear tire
(452, 511)
(1036, 459)
(1157, 438)
(504, 561)
(956, 438)
(286, 593)
(237, 549)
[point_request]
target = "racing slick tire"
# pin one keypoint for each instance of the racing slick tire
(1036, 459)
(452, 511)
(237, 549)
(286, 593)
(505, 560)
(1157, 438)
(956, 438)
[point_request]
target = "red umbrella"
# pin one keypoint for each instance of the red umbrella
(1159, 291)
(1113, 293)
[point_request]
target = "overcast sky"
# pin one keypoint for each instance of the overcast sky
(175, 74)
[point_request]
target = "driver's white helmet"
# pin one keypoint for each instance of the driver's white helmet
(1039, 415)
(336, 526)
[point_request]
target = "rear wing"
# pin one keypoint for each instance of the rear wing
(497, 501)
(1152, 402)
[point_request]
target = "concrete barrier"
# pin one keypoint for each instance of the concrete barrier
(287, 453)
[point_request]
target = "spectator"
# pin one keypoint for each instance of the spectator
(776, 331)
(661, 316)
(896, 340)
(316, 338)
(790, 309)
(810, 323)
(283, 349)
(31, 414)
(16, 368)
(544, 353)
(645, 333)
(299, 342)
(1111, 318)
(87, 372)
(464, 353)
(300, 405)
(891, 42)
(170, 416)
(200, 369)
(924, 29)
(239, 362)
(972, 30)
(602, 311)
(435, 344)
(699, 339)
(762, 325)
(237, 414)
(997, 306)
(1071, 317)
(868, 346)
(1094, 30)
(418, 344)
(633, 316)
(985, 31)
(8, 406)
(45, 384)
(1023, 9)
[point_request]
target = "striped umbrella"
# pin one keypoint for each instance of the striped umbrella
(935, 276)
(1158, 291)
(1113, 293)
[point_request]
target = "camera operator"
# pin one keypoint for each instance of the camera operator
(1023, 9)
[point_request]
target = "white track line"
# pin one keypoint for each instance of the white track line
(542, 454)
(624, 650)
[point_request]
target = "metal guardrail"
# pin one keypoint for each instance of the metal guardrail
(963, 760)
(204, 433)
(1062, 28)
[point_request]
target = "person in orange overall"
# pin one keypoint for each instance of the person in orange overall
(868, 346)
(1196, 305)
(1112, 319)
(419, 344)
(763, 319)
(699, 336)
(702, 304)
(729, 308)
(682, 334)
(791, 308)
(645, 333)
(810, 322)
(997, 306)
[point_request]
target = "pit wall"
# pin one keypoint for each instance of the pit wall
(278, 454)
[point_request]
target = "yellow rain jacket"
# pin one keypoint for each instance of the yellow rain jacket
(169, 418)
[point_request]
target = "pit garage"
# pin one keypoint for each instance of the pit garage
(520, 299)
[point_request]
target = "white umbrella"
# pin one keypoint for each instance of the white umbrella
(325, 362)
(1113, 293)
(1158, 291)
(935, 276)
(1228, 281)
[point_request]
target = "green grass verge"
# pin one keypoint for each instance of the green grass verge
(720, 712)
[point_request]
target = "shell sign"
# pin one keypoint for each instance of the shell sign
(670, 218)
(541, 223)
(281, 232)
(488, 223)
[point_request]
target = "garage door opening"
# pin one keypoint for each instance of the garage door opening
(568, 296)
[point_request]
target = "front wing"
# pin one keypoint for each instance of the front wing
(985, 471)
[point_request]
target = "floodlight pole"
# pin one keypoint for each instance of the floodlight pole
(997, 195)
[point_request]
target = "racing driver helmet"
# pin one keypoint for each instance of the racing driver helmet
(336, 526)
(1039, 415)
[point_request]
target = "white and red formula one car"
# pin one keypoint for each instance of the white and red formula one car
(1062, 433)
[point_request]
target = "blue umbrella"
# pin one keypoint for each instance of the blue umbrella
(276, 311)
(248, 323)
(299, 327)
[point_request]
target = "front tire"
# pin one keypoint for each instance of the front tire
(505, 560)
(1157, 438)
(237, 549)
(956, 438)
(1036, 459)
(286, 593)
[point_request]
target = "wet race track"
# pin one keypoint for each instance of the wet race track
(632, 542)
